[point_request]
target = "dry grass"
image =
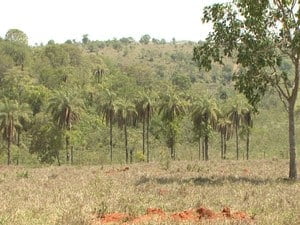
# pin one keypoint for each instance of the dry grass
(70, 195)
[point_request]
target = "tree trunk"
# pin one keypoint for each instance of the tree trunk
(57, 157)
(131, 154)
(247, 144)
(110, 138)
(292, 140)
(199, 148)
(206, 147)
(126, 142)
(225, 143)
(203, 151)
(67, 148)
(147, 134)
(9, 140)
(18, 144)
(222, 145)
(72, 154)
(144, 136)
(8, 151)
(237, 140)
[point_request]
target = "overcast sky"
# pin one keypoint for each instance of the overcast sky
(61, 20)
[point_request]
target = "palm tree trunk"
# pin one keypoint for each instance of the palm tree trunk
(237, 140)
(225, 143)
(247, 144)
(199, 148)
(203, 151)
(57, 157)
(72, 154)
(206, 147)
(9, 140)
(18, 144)
(126, 141)
(110, 138)
(67, 148)
(147, 134)
(8, 151)
(292, 140)
(222, 145)
(144, 136)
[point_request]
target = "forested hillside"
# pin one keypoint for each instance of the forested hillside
(96, 102)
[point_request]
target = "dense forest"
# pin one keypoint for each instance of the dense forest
(124, 101)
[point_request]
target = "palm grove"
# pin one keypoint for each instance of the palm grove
(122, 100)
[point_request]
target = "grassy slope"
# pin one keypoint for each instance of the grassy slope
(69, 195)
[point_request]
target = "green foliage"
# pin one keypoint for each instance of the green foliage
(16, 35)
(145, 39)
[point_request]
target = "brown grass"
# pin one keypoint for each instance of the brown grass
(74, 195)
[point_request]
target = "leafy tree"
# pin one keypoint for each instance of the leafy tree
(16, 35)
(235, 115)
(258, 35)
(224, 126)
(19, 52)
(47, 139)
(204, 116)
(85, 39)
(65, 108)
(11, 112)
(145, 39)
(171, 110)
(247, 125)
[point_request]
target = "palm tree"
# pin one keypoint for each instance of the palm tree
(171, 109)
(11, 112)
(145, 109)
(247, 125)
(126, 115)
(205, 116)
(108, 110)
(235, 115)
(224, 126)
(65, 109)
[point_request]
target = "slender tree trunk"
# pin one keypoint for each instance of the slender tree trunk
(199, 148)
(131, 154)
(110, 138)
(72, 154)
(225, 143)
(19, 145)
(203, 150)
(144, 121)
(206, 147)
(292, 140)
(57, 157)
(222, 145)
(9, 140)
(67, 148)
(247, 144)
(126, 141)
(237, 140)
(8, 151)
(147, 134)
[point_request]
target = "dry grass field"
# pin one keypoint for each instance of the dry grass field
(84, 195)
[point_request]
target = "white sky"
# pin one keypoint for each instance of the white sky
(61, 20)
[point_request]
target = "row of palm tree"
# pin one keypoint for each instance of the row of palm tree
(65, 109)
(208, 117)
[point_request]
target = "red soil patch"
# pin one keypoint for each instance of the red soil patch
(154, 214)
(114, 218)
(190, 215)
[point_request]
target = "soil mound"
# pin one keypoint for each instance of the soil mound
(157, 214)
